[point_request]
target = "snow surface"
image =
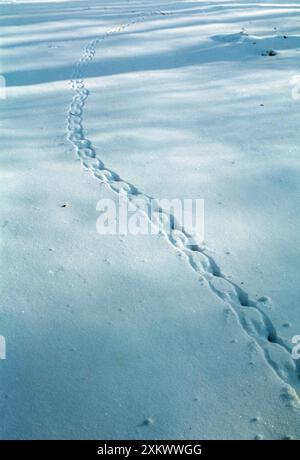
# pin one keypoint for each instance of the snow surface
(116, 337)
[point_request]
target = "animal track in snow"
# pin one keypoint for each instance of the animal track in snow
(249, 313)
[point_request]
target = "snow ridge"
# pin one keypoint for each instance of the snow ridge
(249, 313)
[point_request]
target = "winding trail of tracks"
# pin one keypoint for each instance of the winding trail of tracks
(250, 314)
